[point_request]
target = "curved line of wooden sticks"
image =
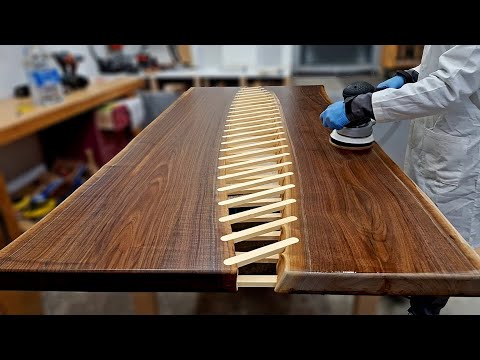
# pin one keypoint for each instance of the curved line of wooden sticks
(254, 174)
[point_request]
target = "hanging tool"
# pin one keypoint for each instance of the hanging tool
(357, 135)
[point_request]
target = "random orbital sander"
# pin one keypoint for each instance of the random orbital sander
(356, 135)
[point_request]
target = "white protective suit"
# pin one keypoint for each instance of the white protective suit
(443, 153)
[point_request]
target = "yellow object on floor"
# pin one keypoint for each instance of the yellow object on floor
(23, 203)
(39, 212)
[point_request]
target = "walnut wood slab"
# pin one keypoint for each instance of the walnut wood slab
(147, 221)
(364, 226)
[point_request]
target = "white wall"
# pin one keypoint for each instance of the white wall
(227, 56)
(12, 72)
(239, 56)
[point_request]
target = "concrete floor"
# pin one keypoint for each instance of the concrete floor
(245, 302)
(248, 301)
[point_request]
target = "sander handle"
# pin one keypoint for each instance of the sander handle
(358, 88)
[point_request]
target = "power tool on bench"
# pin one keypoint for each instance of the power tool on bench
(357, 135)
(115, 62)
(69, 63)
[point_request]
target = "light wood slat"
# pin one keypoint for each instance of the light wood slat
(252, 189)
(254, 171)
(251, 117)
(250, 146)
(268, 120)
(234, 218)
(260, 253)
(271, 236)
(275, 123)
(265, 103)
(253, 167)
(260, 202)
(252, 183)
(260, 107)
(252, 102)
(272, 259)
(250, 99)
(257, 230)
(253, 132)
(251, 89)
(237, 116)
(263, 218)
(253, 139)
(254, 161)
(253, 152)
(250, 178)
(251, 93)
(258, 195)
(252, 96)
(257, 281)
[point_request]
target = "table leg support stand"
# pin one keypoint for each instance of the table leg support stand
(15, 302)
(365, 305)
(7, 213)
(21, 303)
(145, 303)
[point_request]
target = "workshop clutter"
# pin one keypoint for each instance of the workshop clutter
(40, 197)
(119, 115)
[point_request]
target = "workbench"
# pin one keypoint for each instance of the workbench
(19, 118)
(163, 215)
(15, 126)
(205, 76)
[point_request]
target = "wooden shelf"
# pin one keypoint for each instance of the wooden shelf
(200, 77)
(395, 57)
(15, 126)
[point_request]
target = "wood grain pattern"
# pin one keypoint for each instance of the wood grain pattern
(146, 221)
(14, 126)
(365, 227)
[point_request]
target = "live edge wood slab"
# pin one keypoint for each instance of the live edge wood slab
(148, 220)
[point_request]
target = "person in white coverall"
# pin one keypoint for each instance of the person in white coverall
(442, 96)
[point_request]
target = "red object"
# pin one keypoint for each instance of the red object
(70, 139)
(121, 117)
(142, 58)
(116, 47)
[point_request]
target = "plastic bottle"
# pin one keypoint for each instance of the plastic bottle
(43, 77)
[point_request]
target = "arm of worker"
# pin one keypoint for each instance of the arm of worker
(458, 77)
(401, 78)
(361, 106)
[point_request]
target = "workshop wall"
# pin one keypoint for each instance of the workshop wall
(12, 72)
(391, 136)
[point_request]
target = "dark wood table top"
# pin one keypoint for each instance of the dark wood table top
(364, 226)
(148, 220)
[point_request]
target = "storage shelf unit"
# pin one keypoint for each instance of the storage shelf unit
(395, 57)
